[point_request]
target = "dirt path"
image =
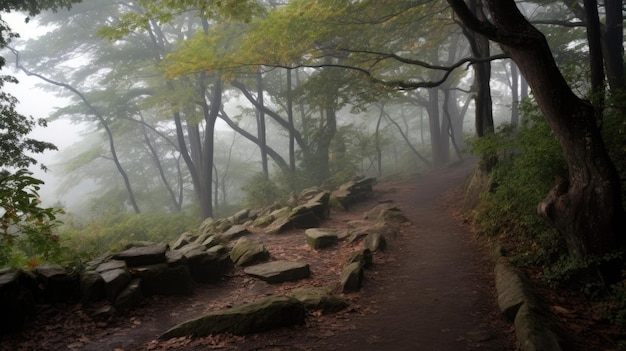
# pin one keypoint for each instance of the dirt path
(431, 290)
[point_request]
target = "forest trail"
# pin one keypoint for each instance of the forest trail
(432, 289)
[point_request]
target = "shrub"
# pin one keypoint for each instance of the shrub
(529, 159)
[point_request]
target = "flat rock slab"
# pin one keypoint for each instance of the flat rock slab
(143, 255)
(319, 298)
(269, 313)
(319, 238)
(279, 271)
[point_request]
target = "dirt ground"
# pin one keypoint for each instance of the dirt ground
(432, 289)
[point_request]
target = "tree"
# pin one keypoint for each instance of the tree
(22, 220)
(587, 207)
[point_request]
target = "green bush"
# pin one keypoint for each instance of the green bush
(26, 229)
(529, 160)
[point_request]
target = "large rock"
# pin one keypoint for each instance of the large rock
(279, 271)
(143, 255)
(536, 331)
(319, 298)
(129, 297)
(57, 284)
(272, 312)
(91, 286)
(184, 239)
(114, 281)
(375, 242)
(111, 265)
(246, 252)
(240, 217)
(235, 232)
(207, 267)
(319, 238)
(510, 287)
(363, 257)
(352, 277)
(16, 302)
(162, 279)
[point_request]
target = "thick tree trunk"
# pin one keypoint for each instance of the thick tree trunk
(587, 207)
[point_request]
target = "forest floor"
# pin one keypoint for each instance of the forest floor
(432, 289)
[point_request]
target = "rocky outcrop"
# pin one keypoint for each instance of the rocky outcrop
(352, 192)
(272, 312)
(16, 300)
(143, 255)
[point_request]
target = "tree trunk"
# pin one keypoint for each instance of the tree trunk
(587, 207)
(613, 45)
(514, 94)
(260, 114)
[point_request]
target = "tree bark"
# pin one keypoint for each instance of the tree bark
(587, 207)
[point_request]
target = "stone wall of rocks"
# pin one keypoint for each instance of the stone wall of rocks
(200, 257)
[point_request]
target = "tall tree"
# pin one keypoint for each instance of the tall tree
(587, 207)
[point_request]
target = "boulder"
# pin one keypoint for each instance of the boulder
(319, 209)
(161, 279)
(235, 232)
(246, 252)
(114, 281)
(363, 257)
(207, 267)
(57, 284)
(322, 197)
(185, 238)
(510, 287)
(352, 277)
(269, 313)
(278, 225)
(129, 297)
(373, 213)
(240, 217)
(319, 298)
(91, 286)
(110, 265)
(16, 302)
(319, 238)
(536, 331)
(207, 226)
(304, 220)
(279, 271)
(175, 258)
(375, 242)
(143, 255)
(391, 215)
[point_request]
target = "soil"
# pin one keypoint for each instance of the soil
(431, 289)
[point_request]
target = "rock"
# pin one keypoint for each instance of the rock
(246, 252)
(319, 298)
(16, 302)
(57, 284)
(263, 221)
(175, 258)
(375, 242)
(191, 247)
(269, 313)
(114, 281)
(103, 313)
(235, 232)
(279, 225)
(91, 286)
(340, 199)
(240, 217)
(319, 209)
(352, 277)
(111, 265)
(536, 332)
(129, 297)
(185, 238)
(279, 271)
(391, 215)
(322, 197)
(510, 288)
(210, 241)
(207, 226)
(319, 238)
(207, 267)
(304, 220)
(363, 257)
(144, 255)
(373, 213)
(161, 279)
